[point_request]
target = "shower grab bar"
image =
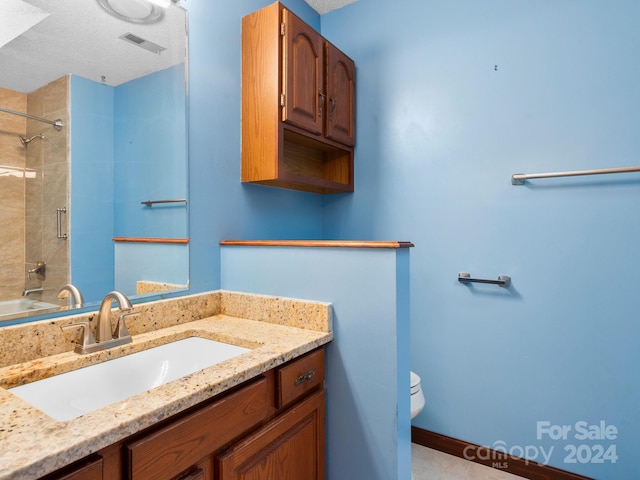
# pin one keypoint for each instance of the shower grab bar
(60, 211)
(149, 203)
(57, 124)
(519, 178)
(503, 280)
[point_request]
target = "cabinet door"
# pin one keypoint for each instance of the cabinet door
(341, 72)
(291, 447)
(304, 97)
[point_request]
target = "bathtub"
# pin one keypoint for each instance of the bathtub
(11, 307)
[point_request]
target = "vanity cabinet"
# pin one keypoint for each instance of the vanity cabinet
(298, 105)
(268, 428)
(174, 448)
(291, 446)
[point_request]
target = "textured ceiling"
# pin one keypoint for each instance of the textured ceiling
(42, 40)
(324, 6)
(16, 17)
(79, 37)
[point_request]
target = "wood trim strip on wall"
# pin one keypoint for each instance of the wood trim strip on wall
(150, 240)
(317, 243)
(491, 458)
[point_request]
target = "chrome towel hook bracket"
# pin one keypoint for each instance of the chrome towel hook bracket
(502, 281)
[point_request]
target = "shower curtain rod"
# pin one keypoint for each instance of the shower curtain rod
(519, 178)
(57, 124)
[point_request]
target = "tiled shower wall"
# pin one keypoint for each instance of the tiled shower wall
(48, 190)
(40, 186)
(12, 187)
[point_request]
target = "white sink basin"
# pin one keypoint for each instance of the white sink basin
(75, 393)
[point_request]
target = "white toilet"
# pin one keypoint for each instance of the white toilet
(417, 397)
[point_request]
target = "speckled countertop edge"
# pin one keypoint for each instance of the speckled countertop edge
(34, 444)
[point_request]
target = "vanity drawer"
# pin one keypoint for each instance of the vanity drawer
(87, 469)
(170, 450)
(298, 377)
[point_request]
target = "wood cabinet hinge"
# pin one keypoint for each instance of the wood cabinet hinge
(282, 29)
(282, 98)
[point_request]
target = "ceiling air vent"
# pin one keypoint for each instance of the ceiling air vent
(142, 43)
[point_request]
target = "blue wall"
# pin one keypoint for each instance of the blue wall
(92, 174)
(439, 132)
(119, 161)
(150, 164)
(220, 206)
(151, 262)
(452, 100)
(367, 363)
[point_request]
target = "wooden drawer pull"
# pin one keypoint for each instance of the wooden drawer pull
(305, 378)
(195, 475)
(299, 377)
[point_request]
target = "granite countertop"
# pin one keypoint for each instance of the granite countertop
(276, 330)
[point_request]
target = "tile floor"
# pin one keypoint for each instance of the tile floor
(428, 464)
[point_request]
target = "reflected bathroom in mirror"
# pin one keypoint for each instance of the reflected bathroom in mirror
(93, 152)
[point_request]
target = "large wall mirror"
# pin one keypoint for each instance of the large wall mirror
(93, 152)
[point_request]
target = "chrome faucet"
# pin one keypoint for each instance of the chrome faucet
(75, 297)
(106, 337)
(104, 317)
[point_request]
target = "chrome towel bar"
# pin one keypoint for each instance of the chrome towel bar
(149, 203)
(503, 280)
(519, 178)
(59, 212)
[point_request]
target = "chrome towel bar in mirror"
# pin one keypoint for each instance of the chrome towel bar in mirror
(149, 203)
(502, 281)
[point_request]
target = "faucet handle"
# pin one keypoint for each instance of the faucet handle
(87, 336)
(121, 330)
(39, 270)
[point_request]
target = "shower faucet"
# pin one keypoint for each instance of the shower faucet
(39, 270)
(28, 291)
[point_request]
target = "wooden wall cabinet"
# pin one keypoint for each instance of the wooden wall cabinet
(270, 428)
(298, 105)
